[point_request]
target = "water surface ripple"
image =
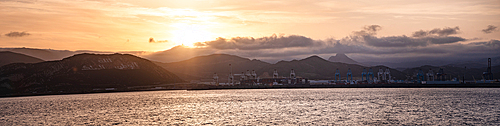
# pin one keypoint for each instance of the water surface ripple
(334, 106)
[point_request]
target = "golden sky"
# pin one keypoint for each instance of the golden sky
(157, 25)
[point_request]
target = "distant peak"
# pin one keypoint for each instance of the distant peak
(314, 57)
(340, 55)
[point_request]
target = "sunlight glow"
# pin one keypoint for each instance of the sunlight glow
(188, 34)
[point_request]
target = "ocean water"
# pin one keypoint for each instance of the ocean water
(332, 106)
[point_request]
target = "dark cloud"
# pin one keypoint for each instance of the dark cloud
(445, 31)
(420, 33)
(390, 54)
(420, 38)
(17, 34)
(152, 40)
(343, 47)
(392, 41)
(403, 41)
(435, 43)
(443, 40)
(250, 43)
(491, 43)
(373, 28)
(368, 30)
(437, 32)
(490, 29)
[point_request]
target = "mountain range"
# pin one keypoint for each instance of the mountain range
(83, 73)
(7, 57)
(313, 67)
(203, 67)
(180, 53)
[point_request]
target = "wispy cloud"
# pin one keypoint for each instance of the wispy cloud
(490, 29)
(152, 40)
(368, 30)
(17, 34)
(437, 32)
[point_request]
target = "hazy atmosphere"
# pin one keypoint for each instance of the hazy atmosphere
(367, 31)
(249, 62)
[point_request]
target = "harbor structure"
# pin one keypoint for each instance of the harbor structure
(364, 74)
(349, 74)
(380, 75)
(367, 77)
(430, 75)
(337, 74)
(488, 75)
(370, 73)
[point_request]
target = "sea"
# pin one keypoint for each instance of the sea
(322, 106)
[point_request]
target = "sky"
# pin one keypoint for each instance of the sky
(270, 30)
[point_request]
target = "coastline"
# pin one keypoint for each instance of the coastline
(211, 87)
(493, 85)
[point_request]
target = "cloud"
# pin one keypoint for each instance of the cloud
(17, 34)
(404, 41)
(152, 40)
(490, 29)
(437, 32)
(392, 41)
(330, 47)
(445, 31)
(420, 38)
(368, 30)
(373, 28)
(436, 43)
(250, 43)
(491, 43)
(420, 33)
(20, 1)
(443, 40)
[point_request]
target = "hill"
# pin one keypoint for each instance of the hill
(83, 72)
(315, 67)
(203, 67)
(342, 58)
(7, 57)
(177, 54)
(50, 54)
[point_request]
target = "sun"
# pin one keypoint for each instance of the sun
(188, 34)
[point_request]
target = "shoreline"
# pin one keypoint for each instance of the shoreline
(493, 85)
(210, 87)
